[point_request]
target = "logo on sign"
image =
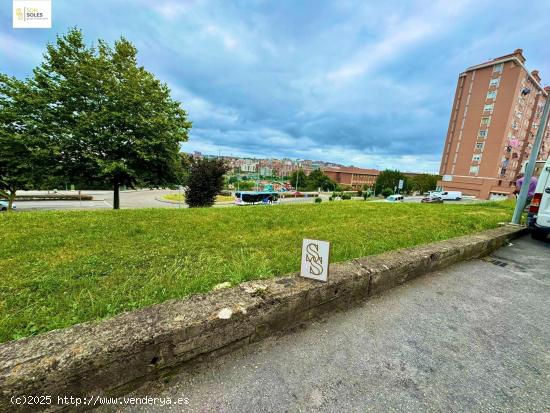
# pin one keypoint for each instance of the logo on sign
(32, 14)
(315, 259)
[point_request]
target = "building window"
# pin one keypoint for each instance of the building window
(482, 133)
(494, 82)
(489, 108)
(486, 120)
(476, 157)
(474, 169)
(498, 68)
(479, 146)
(492, 94)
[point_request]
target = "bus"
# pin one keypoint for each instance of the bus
(256, 197)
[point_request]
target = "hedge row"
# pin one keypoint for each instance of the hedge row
(54, 197)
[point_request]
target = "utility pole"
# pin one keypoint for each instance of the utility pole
(529, 169)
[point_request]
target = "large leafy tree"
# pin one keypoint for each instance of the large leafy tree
(424, 182)
(113, 120)
(317, 179)
(298, 179)
(389, 179)
(26, 155)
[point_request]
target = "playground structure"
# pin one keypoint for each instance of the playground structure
(275, 186)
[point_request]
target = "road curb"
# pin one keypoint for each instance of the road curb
(109, 357)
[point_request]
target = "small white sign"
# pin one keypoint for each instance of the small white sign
(400, 185)
(32, 14)
(315, 259)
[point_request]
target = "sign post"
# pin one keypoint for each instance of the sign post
(315, 259)
(400, 185)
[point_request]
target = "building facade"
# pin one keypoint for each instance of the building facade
(495, 115)
(357, 178)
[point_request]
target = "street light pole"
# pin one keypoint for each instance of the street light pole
(529, 169)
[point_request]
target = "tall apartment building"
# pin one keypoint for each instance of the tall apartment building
(495, 115)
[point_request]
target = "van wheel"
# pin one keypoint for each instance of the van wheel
(538, 235)
(4, 209)
(458, 199)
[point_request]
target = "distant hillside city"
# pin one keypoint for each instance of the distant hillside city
(350, 176)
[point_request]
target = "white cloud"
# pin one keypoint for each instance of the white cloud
(201, 110)
(17, 49)
(229, 41)
(170, 10)
(400, 35)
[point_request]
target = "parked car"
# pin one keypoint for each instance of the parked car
(448, 195)
(4, 205)
(538, 217)
(432, 200)
(395, 198)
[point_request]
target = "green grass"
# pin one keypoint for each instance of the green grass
(62, 268)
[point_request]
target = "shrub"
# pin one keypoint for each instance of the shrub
(245, 185)
(386, 192)
(366, 195)
(346, 196)
(205, 182)
(318, 200)
(331, 198)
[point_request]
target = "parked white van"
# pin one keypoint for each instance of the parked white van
(538, 218)
(447, 195)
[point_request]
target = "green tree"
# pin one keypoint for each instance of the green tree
(114, 121)
(424, 182)
(317, 179)
(389, 179)
(205, 181)
(25, 156)
(298, 179)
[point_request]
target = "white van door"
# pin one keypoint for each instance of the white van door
(543, 218)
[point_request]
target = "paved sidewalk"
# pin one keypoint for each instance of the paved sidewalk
(475, 337)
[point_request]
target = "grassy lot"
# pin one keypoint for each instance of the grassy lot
(61, 268)
(181, 198)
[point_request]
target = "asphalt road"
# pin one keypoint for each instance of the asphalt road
(128, 199)
(474, 337)
(144, 199)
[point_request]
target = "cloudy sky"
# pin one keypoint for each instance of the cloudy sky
(355, 82)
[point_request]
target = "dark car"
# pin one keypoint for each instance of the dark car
(432, 200)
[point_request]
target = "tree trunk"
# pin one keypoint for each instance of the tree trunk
(116, 194)
(11, 198)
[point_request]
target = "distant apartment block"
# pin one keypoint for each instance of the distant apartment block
(265, 171)
(496, 111)
(248, 166)
(355, 177)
